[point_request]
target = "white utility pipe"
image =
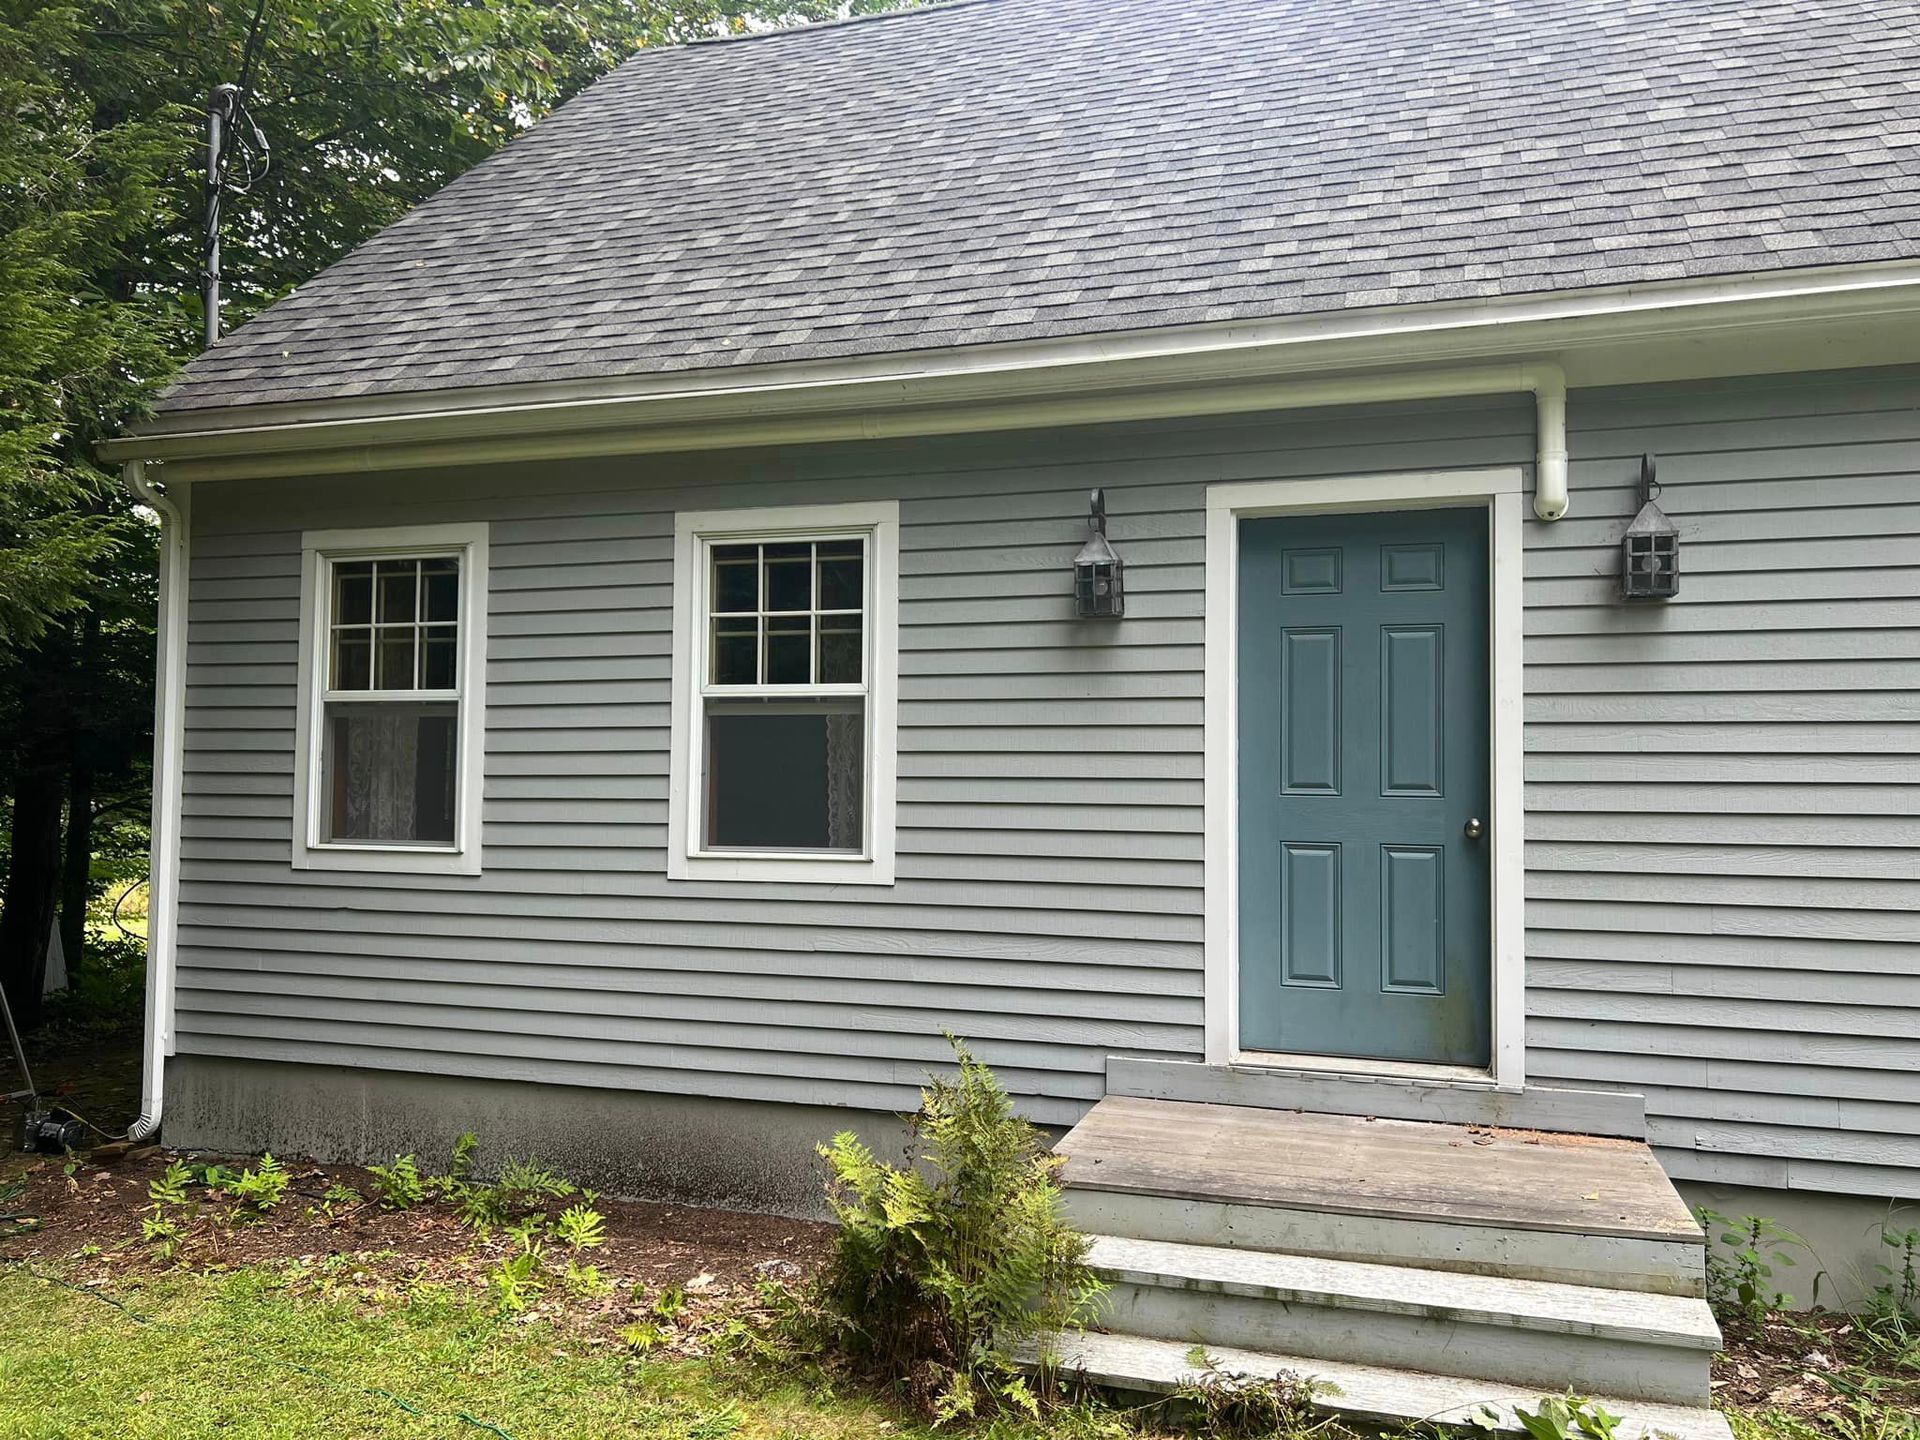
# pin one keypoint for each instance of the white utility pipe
(169, 716)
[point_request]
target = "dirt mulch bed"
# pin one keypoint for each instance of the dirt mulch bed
(1804, 1365)
(92, 1218)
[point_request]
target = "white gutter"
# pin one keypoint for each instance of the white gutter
(770, 422)
(1462, 332)
(169, 724)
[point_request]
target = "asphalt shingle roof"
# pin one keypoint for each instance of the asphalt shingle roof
(1004, 170)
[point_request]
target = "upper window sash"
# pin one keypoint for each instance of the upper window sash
(710, 614)
(431, 624)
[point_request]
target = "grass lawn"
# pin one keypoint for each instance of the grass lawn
(264, 1351)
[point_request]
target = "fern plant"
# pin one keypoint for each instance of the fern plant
(399, 1186)
(163, 1225)
(581, 1227)
(258, 1190)
(523, 1186)
(943, 1264)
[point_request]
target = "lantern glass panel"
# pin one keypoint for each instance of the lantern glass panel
(1097, 588)
(1650, 566)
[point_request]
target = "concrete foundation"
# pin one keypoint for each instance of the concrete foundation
(752, 1155)
(736, 1154)
(1842, 1235)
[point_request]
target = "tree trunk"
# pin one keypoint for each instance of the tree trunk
(76, 880)
(33, 889)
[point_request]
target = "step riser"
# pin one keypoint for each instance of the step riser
(1551, 1360)
(1567, 1112)
(1650, 1266)
(1388, 1397)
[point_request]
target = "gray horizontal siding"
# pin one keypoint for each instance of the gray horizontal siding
(1723, 792)
(1050, 822)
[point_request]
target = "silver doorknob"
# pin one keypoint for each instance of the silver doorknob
(1474, 829)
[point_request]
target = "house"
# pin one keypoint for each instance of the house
(625, 691)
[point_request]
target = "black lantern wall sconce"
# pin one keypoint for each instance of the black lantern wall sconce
(1098, 584)
(1650, 550)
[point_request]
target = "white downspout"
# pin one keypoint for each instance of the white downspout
(169, 718)
(1549, 386)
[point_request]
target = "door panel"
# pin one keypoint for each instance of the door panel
(1365, 909)
(1310, 911)
(1310, 712)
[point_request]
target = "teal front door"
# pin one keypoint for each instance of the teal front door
(1365, 879)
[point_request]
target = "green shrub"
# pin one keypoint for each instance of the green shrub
(106, 986)
(942, 1265)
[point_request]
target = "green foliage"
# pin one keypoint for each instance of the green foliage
(523, 1188)
(941, 1265)
(14, 1223)
(398, 1186)
(1740, 1267)
(170, 1203)
(342, 1194)
(170, 1187)
(80, 184)
(644, 1335)
(516, 1281)
(109, 991)
(1217, 1402)
(717, 1425)
(335, 1197)
(1567, 1417)
(581, 1227)
(1898, 1296)
(585, 1282)
(460, 1167)
(258, 1190)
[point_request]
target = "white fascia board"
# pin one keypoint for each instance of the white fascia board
(1085, 379)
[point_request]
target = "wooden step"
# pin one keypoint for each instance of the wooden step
(1377, 1394)
(1565, 1209)
(1525, 1332)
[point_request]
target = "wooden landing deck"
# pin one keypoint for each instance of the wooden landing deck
(1400, 1168)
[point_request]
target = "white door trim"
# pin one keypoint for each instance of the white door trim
(1502, 491)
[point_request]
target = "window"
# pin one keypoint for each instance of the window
(784, 668)
(393, 639)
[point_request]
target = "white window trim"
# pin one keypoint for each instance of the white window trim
(1502, 492)
(318, 547)
(880, 521)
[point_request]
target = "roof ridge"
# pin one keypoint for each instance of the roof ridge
(809, 27)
